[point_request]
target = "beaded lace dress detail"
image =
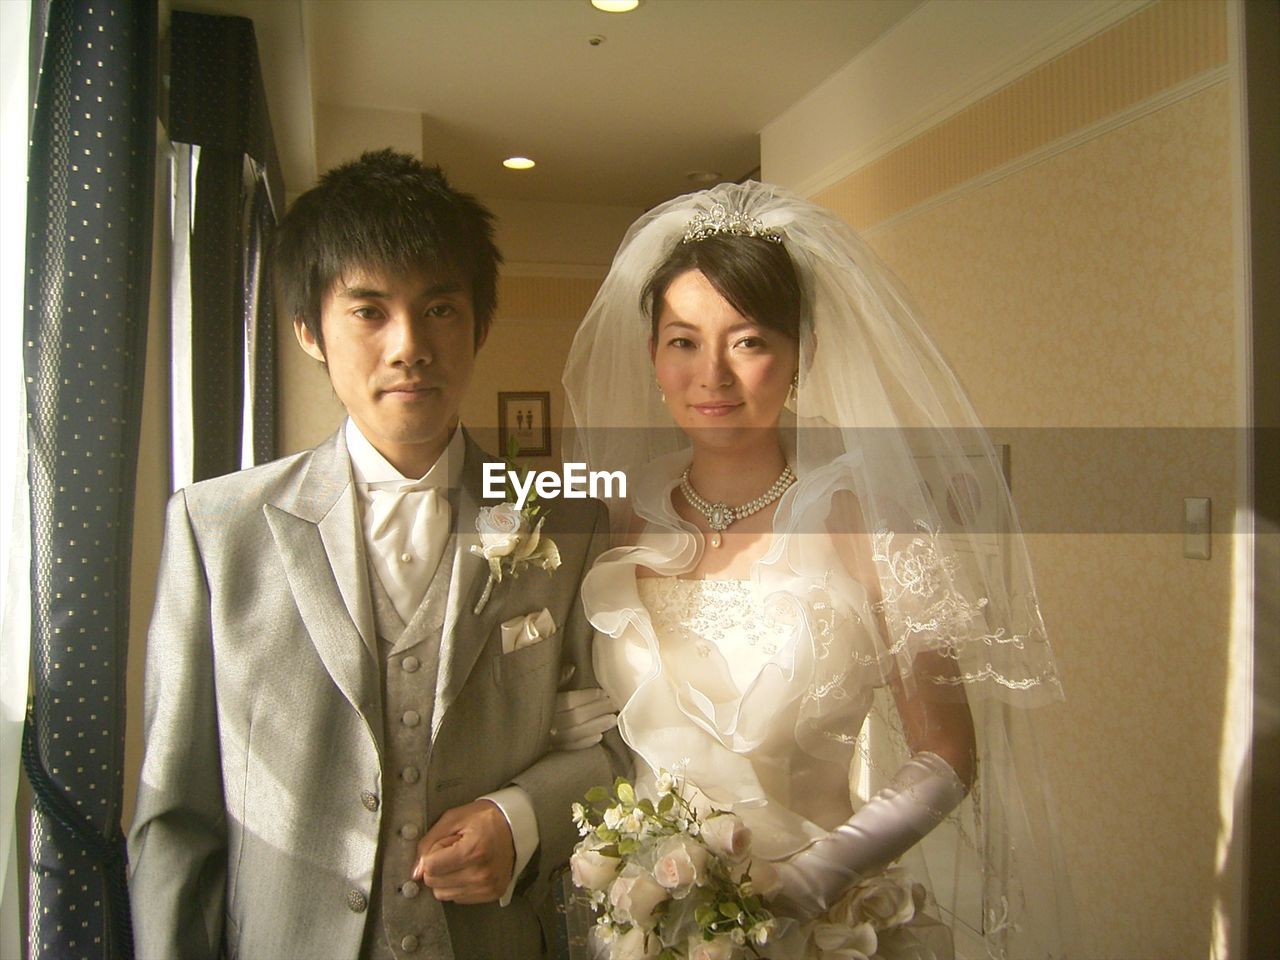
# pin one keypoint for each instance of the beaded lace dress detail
(705, 617)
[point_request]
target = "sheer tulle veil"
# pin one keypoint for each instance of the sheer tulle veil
(882, 437)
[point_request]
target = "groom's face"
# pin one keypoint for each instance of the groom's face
(400, 350)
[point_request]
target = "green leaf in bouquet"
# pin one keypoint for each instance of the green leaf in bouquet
(666, 803)
(645, 806)
(706, 915)
(730, 911)
(628, 846)
(610, 850)
(626, 793)
(607, 835)
(597, 795)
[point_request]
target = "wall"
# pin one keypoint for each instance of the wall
(1067, 232)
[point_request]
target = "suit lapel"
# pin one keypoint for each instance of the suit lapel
(321, 548)
(465, 632)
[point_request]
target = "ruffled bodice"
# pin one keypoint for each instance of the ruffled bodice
(754, 690)
(716, 631)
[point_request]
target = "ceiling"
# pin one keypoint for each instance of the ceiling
(674, 87)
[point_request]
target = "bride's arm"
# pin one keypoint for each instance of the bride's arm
(930, 784)
(930, 699)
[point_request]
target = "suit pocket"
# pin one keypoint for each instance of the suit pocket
(508, 668)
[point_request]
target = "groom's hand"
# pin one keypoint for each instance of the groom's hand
(468, 855)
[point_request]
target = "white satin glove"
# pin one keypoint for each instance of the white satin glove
(581, 718)
(923, 791)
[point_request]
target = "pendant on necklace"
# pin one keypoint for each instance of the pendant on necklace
(715, 539)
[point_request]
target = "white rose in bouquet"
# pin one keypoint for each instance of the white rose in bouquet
(884, 900)
(635, 895)
(718, 948)
(839, 940)
(635, 944)
(592, 870)
(727, 836)
(682, 863)
(764, 876)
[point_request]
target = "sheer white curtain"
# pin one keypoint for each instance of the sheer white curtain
(15, 528)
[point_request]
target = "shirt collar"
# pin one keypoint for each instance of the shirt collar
(368, 466)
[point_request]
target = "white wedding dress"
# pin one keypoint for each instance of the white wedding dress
(757, 692)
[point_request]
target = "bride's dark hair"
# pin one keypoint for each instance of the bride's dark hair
(756, 276)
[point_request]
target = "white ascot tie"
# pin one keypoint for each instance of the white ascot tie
(407, 526)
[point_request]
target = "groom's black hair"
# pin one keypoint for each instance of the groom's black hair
(389, 212)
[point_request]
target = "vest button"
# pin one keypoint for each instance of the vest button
(410, 831)
(408, 889)
(356, 901)
(409, 944)
(410, 664)
(370, 801)
(411, 718)
(410, 774)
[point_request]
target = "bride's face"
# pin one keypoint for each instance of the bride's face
(725, 377)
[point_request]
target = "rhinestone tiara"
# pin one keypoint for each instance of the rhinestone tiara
(720, 221)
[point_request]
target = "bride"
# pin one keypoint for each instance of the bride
(821, 614)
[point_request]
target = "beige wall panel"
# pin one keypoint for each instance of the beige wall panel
(1094, 289)
(307, 408)
(1141, 638)
(527, 347)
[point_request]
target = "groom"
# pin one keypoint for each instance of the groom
(329, 684)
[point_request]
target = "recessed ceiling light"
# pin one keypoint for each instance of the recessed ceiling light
(703, 176)
(615, 6)
(518, 163)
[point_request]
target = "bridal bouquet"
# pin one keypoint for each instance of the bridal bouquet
(665, 880)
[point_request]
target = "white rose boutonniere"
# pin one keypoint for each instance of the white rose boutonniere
(510, 540)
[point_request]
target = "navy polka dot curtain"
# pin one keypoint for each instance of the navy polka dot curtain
(88, 271)
(230, 175)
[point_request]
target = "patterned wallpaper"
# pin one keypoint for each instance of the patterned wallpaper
(1085, 297)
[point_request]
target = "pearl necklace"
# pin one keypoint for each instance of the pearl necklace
(720, 516)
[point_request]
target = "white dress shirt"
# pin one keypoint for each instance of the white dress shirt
(406, 526)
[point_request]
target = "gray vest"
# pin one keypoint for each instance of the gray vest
(405, 921)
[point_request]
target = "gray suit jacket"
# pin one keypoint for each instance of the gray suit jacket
(257, 821)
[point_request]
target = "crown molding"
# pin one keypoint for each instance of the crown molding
(1165, 98)
(889, 65)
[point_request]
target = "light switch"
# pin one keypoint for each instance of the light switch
(1197, 524)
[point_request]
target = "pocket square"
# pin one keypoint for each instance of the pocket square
(529, 629)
